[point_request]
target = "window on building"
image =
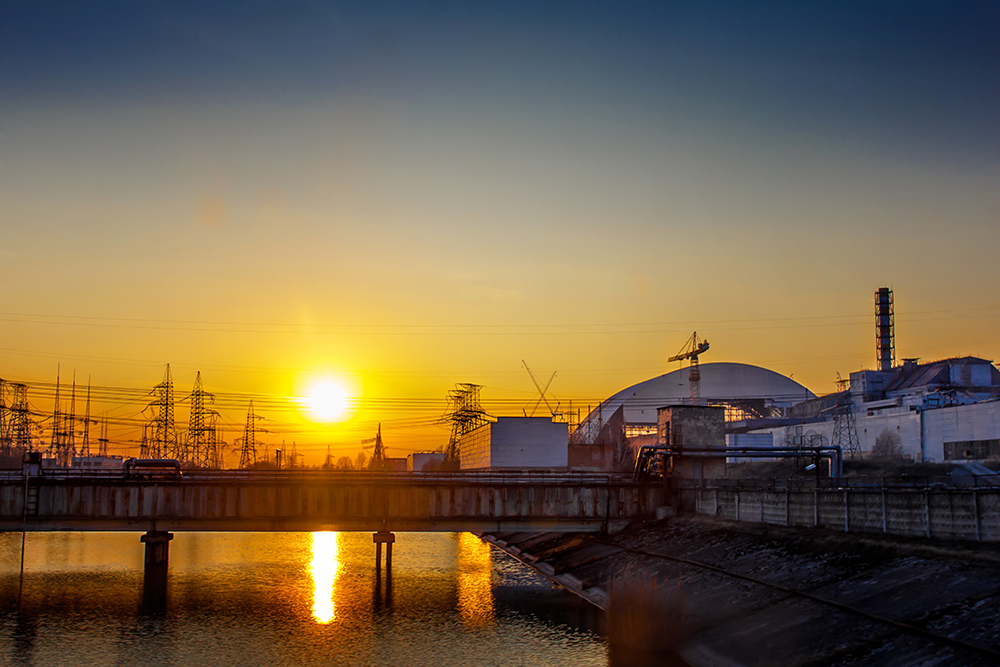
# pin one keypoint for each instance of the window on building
(972, 450)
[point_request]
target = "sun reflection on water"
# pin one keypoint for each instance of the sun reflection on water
(325, 567)
(475, 581)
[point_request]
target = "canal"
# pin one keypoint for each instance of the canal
(286, 599)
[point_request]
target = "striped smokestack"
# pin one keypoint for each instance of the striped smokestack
(885, 335)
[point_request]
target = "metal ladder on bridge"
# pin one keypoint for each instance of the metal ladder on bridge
(30, 500)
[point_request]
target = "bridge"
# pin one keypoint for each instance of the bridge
(258, 501)
(316, 501)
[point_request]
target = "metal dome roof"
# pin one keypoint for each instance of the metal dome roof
(719, 382)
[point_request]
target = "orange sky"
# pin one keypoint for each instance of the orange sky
(479, 190)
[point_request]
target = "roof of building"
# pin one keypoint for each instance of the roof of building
(719, 382)
(936, 373)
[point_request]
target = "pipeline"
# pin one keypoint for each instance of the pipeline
(644, 459)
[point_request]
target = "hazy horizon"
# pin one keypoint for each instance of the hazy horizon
(401, 197)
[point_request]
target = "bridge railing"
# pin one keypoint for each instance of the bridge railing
(512, 477)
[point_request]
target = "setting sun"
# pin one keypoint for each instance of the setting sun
(328, 401)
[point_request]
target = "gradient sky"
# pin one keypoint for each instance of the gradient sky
(408, 196)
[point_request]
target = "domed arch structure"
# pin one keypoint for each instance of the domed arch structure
(746, 391)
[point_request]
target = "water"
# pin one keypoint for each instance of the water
(287, 599)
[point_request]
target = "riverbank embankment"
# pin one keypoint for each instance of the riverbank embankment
(767, 595)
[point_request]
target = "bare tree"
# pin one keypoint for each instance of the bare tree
(344, 463)
(888, 444)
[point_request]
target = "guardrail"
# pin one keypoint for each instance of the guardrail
(518, 477)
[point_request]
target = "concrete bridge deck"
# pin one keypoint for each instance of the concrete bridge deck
(323, 500)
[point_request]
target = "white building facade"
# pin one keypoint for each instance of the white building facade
(516, 442)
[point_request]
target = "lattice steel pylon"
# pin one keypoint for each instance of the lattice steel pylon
(466, 415)
(60, 445)
(248, 448)
(845, 427)
(85, 446)
(378, 460)
(202, 436)
(159, 438)
(15, 420)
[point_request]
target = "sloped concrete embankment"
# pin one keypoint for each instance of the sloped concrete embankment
(895, 602)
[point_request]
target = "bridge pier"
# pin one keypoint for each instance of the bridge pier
(154, 581)
(386, 538)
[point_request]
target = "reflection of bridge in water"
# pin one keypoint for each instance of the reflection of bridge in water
(307, 589)
(319, 501)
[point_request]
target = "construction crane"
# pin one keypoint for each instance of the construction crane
(691, 349)
(542, 394)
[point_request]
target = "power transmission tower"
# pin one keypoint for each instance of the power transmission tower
(60, 445)
(85, 447)
(202, 435)
(6, 423)
(845, 426)
(159, 438)
(377, 461)
(102, 448)
(466, 415)
(248, 450)
(70, 425)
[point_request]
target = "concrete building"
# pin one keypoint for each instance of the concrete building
(693, 427)
(946, 410)
(516, 442)
(424, 461)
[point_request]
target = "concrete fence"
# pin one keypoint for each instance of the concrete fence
(972, 514)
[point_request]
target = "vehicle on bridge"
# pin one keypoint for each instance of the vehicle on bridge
(134, 468)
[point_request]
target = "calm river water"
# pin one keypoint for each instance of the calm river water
(286, 599)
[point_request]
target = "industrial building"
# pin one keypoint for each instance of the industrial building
(944, 410)
(424, 461)
(947, 410)
(608, 437)
(515, 442)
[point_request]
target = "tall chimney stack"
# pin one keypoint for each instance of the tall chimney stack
(885, 334)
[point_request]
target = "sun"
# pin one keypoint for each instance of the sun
(328, 401)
